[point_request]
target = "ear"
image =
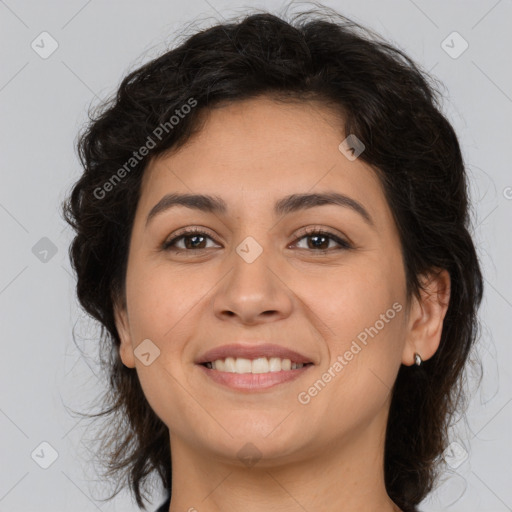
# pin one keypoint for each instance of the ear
(426, 316)
(123, 329)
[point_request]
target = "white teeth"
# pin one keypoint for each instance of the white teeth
(258, 365)
(243, 365)
(275, 364)
(229, 365)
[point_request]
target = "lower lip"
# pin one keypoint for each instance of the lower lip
(253, 381)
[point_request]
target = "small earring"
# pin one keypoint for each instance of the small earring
(417, 359)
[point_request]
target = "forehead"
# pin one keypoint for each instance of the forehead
(253, 152)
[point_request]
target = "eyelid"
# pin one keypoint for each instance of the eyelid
(318, 228)
(190, 231)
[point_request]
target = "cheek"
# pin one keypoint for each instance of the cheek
(348, 300)
(161, 305)
(365, 320)
(361, 318)
(161, 301)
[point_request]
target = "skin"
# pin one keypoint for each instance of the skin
(326, 454)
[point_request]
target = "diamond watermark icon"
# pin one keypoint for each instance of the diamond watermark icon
(44, 455)
(249, 249)
(249, 454)
(455, 455)
(454, 45)
(352, 147)
(44, 45)
(44, 250)
(147, 352)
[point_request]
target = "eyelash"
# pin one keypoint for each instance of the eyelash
(308, 232)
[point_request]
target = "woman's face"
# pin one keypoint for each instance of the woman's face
(254, 276)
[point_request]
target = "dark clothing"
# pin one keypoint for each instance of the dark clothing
(164, 507)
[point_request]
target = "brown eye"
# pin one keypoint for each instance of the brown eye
(193, 240)
(319, 241)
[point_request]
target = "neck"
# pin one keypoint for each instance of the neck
(348, 476)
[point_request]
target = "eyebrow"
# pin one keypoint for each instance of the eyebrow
(284, 206)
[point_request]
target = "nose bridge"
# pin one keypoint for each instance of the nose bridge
(252, 287)
(251, 275)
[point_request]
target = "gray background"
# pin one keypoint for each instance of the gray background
(43, 103)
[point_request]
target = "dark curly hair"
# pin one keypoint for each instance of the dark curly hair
(390, 104)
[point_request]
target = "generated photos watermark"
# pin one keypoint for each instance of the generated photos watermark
(342, 360)
(143, 151)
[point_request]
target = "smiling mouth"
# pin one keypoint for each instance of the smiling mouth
(242, 365)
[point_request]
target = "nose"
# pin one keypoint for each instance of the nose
(254, 291)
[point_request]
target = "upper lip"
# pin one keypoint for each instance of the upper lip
(251, 352)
